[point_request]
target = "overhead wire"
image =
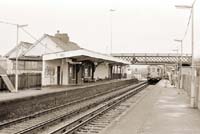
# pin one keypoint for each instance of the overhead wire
(4, 22)
(34, 38)
(189, 20)
(187, 25)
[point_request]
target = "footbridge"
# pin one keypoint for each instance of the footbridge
(155, 58)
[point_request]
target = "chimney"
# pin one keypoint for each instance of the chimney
(62, 36)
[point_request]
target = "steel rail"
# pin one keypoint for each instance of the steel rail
(75, 125)
(46, 111)
(57, 119)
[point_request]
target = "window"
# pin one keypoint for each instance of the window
(158, 70)
(33, 65)
(20, 65)
(88, 71)
(72, 71)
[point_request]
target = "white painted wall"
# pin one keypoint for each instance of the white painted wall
(49, 77)
(65, 72)
(102, 71)
(49, 73)
(47, 46)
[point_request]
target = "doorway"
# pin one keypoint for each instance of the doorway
(58, 75)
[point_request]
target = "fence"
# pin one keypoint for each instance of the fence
(187, 82)
(24, 81)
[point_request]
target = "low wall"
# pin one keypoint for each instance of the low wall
(16, 108)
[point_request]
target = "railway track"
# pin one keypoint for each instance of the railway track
(31, 116)
(101, 122)
(50, 117)
(96, 119)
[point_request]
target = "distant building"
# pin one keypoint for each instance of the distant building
(137, 71)
(25, 64)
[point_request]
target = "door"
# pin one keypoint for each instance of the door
(58, 75)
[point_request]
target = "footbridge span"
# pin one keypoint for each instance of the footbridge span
(155, 58)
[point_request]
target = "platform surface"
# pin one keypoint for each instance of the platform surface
(6, 96)
(165, 110)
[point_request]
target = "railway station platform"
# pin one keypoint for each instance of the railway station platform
(31, 92)
(33, 101)
(164, 110)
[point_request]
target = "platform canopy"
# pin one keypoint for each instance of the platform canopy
(82, 55)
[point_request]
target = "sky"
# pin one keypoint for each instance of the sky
(138, 26)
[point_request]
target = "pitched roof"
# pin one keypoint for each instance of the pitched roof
(22, 46)
(66, 46)
(63, 44)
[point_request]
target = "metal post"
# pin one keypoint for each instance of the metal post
(193, 101)
(17, 56)
(110, 32)
(181, 63)
(178, 70)
(193, 72)
(16, 63)
(111, 10)
(180, 66)
(17, 51)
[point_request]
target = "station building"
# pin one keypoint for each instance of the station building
(62, 62)
(80, 66)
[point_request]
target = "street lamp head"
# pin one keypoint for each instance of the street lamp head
(183, 6)
(175, 50)
(178, 40)
(112, 10)
(21, 26)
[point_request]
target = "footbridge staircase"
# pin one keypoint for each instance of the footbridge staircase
(6, 80)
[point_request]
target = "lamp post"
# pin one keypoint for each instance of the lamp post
(17, 52)
(193, 71)
(180, 76)
(111, 13)
(176, 69)
(17, 56)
